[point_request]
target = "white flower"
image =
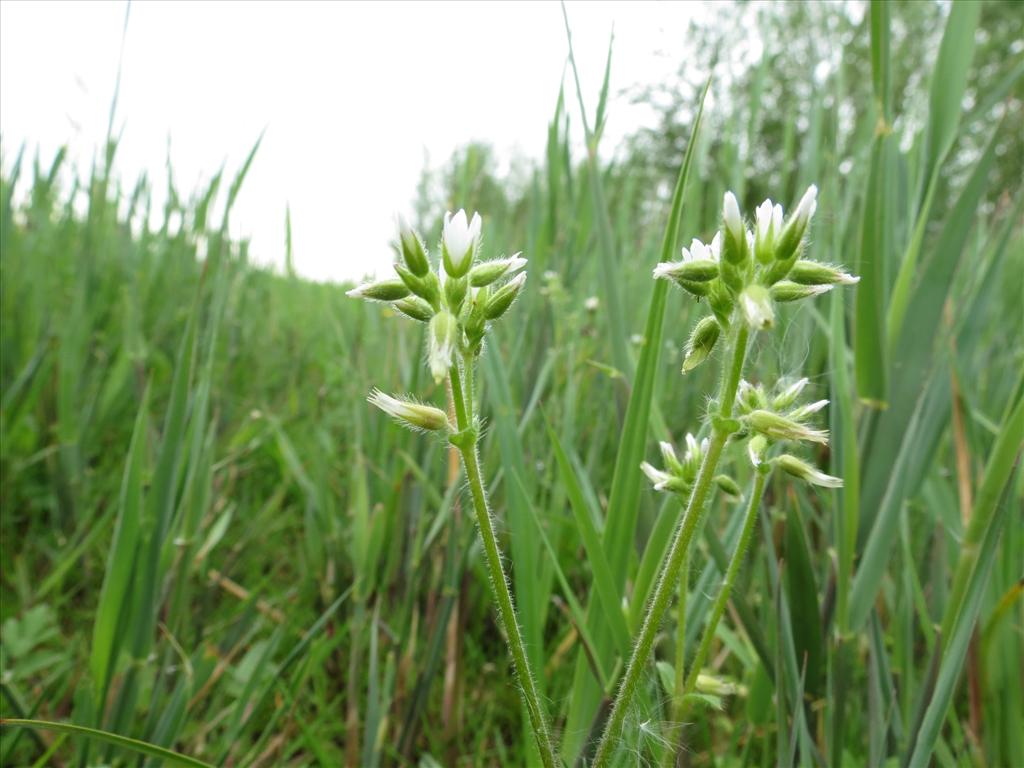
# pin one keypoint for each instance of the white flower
(659, 478)
(460, 240)
(806, 207)
(768, 220)
(410, 414)
(591, 304)
(807, 410)
(668, 454)
(700, 252)
(731, 215)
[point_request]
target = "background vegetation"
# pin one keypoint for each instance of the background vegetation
(210, 543)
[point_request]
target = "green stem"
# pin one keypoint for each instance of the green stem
(718, 609)
(678, 690)
(499, 581)
(681, 541)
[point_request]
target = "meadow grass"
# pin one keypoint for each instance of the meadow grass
(211, 545)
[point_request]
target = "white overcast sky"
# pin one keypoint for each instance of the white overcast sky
(353, 97)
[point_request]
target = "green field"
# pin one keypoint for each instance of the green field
(212, 544)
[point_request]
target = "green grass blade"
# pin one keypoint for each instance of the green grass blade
(113, 739)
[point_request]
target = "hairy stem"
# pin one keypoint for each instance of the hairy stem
(499, 581)
(681, 540)
(678, 690)
(730, 579)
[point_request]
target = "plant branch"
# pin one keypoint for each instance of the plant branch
(681, 541)
(496, 570)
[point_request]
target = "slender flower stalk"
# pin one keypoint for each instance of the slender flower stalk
(681, 539)
(457, 302)
(742, 298)
(760, 479)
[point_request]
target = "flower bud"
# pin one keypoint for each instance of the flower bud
(426, 287)
(455, 293)
(749, 397)
(459, 241)
(444, 329)
(756, 305)
(735, 245)
(668, 456)
(776, 427)
(788, 396)
(683, 272)
(728, 485)
(702, 341)
(801, 469)
(415, 307)
(793, 233)
(767, 228)
(413, 252)
(502, 299)
(694, 455)
(476, 320)
(756, 447)
(409, 413)
(785, 291)
(489, 271)
(806, 272)
(801, 413)
(714, 686)
(721, 302)
(382, 290)
(664, 481)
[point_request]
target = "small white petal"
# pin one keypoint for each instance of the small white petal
(731, 214)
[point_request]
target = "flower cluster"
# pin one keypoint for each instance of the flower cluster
(678, 476)
(750, 270)
(775, 418)
(457, 300)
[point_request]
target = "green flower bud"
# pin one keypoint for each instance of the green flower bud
(702, 341)
(426, 287)
(413, 252)
(776, 427)
(756, 305)
(415, 307)
(687, 271)
(801, 469)
(441, 342)
(721, 302)
(728, 485)
(784, 291)
(806, 272)
(792, 235)
(501, 299)
(489, 271)
(455, 293)
(409, 413)
(382, 290)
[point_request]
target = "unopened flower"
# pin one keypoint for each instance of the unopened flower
(803, 470)
(793, 233)
(591, 303)
(731, 216)
(382, 290)
(502, 298)
(413, 252)
(441, 344)
(659, 478)
(785, 291)
(702, 341)
(459, 242)
(415, 307)
(810, 409)
(806, 272)
(756, 447)
(735, 248)
(768, 226)
(777, 427)
(756, 305)
(410, 413)
(789, 394)
(489, 271)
